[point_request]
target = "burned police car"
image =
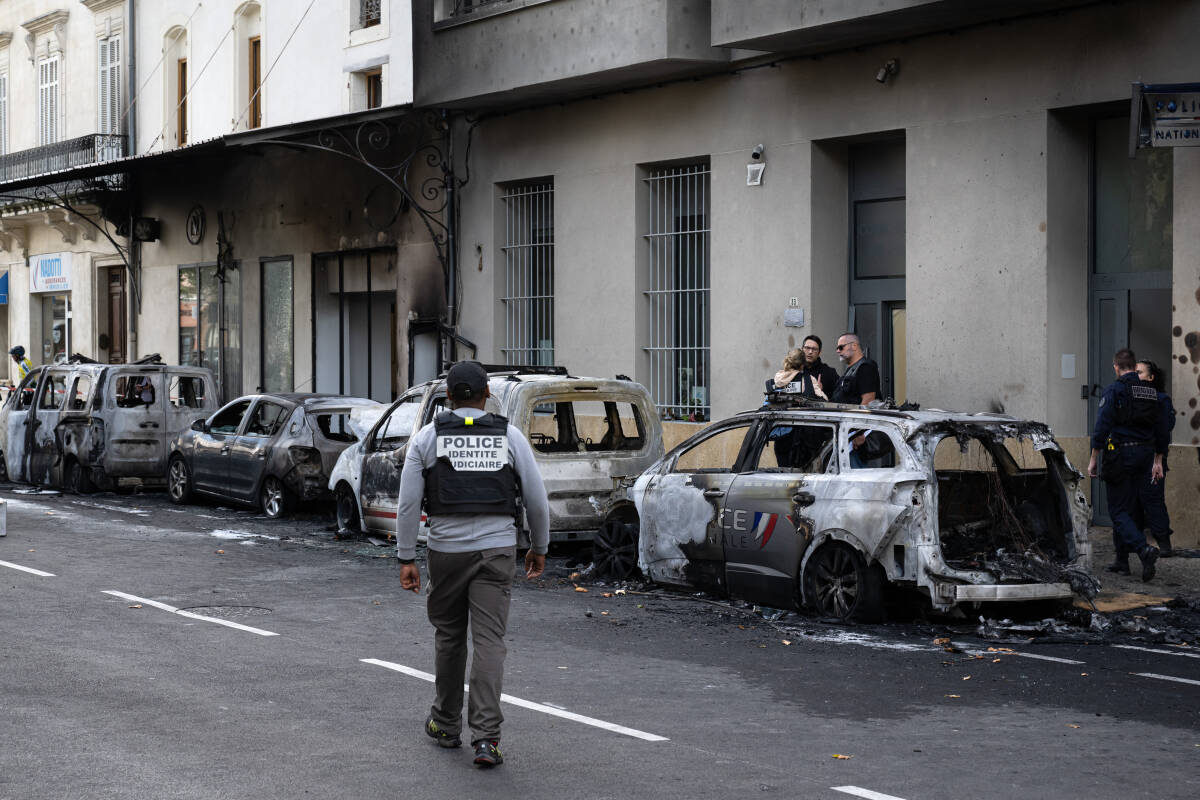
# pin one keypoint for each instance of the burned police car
(823, 505)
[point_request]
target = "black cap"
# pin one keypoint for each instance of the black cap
(466, 380)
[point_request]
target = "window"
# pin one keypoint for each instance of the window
(336, 427)
(53, 392)
(715, 453)
(267, 418)
(254, 70)
(26, 392)
(528, 296)
(229, 419)
(181, 88)
(3, 113)
(398, 427)
(109, 88)
(277, 326)
(871, 449)
(677, 235)
(206, 305)
(369, 14)
(80, 393)
(374, 82)
(135, 391)
(187, 391)
(798, 448)
(48, 109)
(586, 426)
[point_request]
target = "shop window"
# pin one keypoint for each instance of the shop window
(277, 326)
(203, 300)
(56, 327)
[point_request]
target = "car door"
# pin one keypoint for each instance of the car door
(18, 426)
(791, 468)
(211, 446)
(136, 423)
(248, 451)
(189, 398)
(382, 460)
(681, 506)
(42, 440)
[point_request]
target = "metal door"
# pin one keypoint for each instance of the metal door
(17, 424)
(382, 460)
(136, 423)
(42, 443)
(247, 460)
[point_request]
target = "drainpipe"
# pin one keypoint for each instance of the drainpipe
(451, 231)
(135, 247)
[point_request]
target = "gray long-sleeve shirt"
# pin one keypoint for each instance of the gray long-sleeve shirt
(463, 533)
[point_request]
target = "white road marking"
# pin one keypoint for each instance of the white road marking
(1156, 650)
(858, 791)
(189, 614)
(106, 507)
(1166, 678)
(516, 701)
(1043, 658)
(30, 570)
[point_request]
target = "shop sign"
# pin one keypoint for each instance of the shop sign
(50, 272)
(1166, 115)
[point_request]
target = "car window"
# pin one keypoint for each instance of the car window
(440, 403)
(715, 453)
(795, 447)
(335, 426)
(871, 449)
(229, 419)
(586, 426)
(80, 393)
(134, 391)
(26, 393)
(54, 389)
(398, 426)
(267, 418)
(187, 391)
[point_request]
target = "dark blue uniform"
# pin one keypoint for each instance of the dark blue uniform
(1154, 510)
(1130, 429)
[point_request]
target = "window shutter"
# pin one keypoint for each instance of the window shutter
(114, 84)
(3, 113)
(102, 89)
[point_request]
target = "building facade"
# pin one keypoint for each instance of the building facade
(707, 183)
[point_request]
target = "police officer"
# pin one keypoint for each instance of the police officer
(1155, 513)
(1132, 434)
(469, 467)
(24, 365)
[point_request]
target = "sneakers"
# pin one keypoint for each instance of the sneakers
(444, 738)
(487, 753)
(1148, 555)
(1120, 565)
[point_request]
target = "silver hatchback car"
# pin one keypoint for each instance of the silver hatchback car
(824, 506)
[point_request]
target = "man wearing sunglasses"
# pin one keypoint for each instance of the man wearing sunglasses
(859, 385)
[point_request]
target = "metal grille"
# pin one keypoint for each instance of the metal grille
(678, 288)
(368, 13)
(529, 274)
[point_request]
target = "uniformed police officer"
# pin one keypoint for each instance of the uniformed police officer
(468, 467)
(1132, 434)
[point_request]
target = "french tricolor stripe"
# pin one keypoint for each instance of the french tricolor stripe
(764, 526)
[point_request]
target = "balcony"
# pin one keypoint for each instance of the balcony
(94, 148)
(806, 27)
(488, 53)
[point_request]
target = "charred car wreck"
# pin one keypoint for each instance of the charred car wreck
(823, 506)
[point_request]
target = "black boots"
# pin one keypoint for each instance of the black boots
(1164, 544)
(1120, 564)
(1148, 555)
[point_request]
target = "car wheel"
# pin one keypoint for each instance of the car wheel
(275, 498)
(179, 481)
(78, 479)
(347, 511)
(839, 583)
(615, 549)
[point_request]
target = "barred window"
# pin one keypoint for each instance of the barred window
(369, 13)
(529, 273)
(677, 291)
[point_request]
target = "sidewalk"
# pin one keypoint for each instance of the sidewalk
(1176, 576)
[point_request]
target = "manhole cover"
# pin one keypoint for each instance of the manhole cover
(229, 612)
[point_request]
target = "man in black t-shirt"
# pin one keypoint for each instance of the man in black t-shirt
(859, 384)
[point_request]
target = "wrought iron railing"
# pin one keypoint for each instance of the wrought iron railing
(91, 149)
(369, 13)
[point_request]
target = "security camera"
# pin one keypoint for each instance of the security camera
(887, 70)
(757, 153)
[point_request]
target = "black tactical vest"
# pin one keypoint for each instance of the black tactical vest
(473, 474)
(1139, 407)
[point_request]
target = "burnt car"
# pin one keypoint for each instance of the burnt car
(824, 506)
(270, 450)
(591, 437)
(84, 426)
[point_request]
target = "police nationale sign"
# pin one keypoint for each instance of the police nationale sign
(50, 272)
(1165, 115)
(474, 452)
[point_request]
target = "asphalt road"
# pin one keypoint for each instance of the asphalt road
(117, 683)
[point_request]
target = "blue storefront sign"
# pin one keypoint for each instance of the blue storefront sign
(4, 289)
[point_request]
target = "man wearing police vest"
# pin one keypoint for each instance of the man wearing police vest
(1131, 433)
(468, 467)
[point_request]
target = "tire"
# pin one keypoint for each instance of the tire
(179, 481)
(839, 584)
(615, 549)
(347, 511)
(274, 498)
(78, 480)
